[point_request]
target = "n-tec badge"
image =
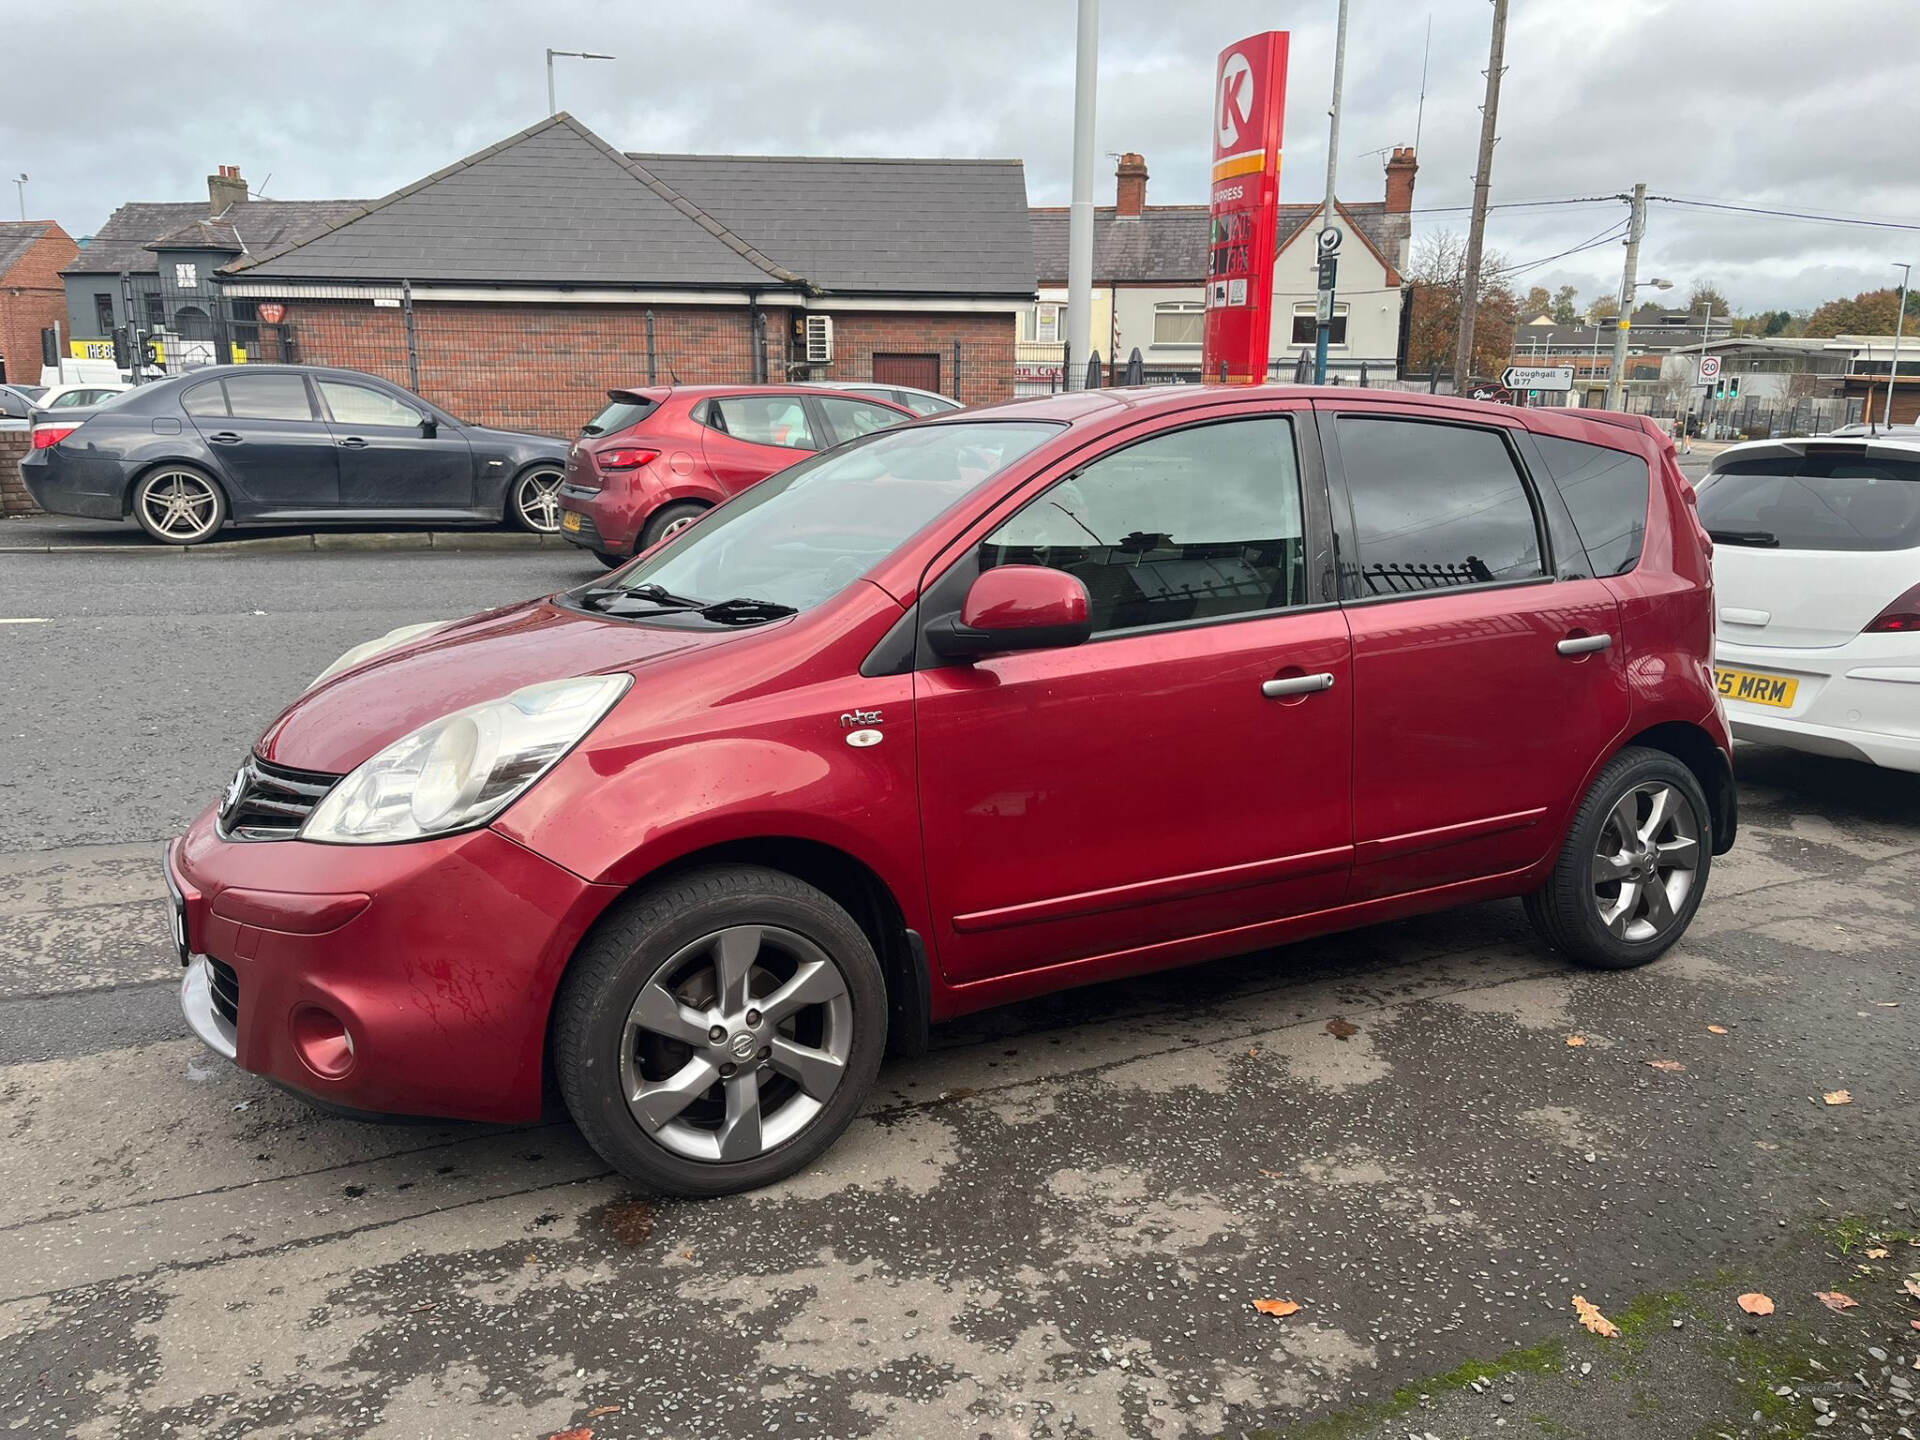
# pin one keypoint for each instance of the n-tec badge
(861, 739)
(859, 717)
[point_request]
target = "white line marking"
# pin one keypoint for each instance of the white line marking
(4, 621)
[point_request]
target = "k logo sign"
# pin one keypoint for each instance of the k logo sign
(1236, 101)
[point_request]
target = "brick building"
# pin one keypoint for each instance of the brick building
(515, 286)
(32, 297)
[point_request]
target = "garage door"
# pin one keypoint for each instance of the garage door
(922, 372)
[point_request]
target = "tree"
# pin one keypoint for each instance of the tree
(1565, 311)
(1705, 293)
(1604, 308)
(1439, 266)
(1537, 303)
(1871, 312)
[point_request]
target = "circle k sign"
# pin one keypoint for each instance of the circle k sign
(1236, 101)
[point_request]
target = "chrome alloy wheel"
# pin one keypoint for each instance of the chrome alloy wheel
(674, 527)
(1646, 861)
(536, 496)
(736, 1044)
(179, 504)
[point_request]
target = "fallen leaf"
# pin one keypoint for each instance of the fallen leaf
(1716, 1029)
(1834, 1300)
(1838, 1097)
(1879, 1252)
(1754, 1303)
(1916, 1325)
(1275, 1307)
(1341, 1029)
(630, 1221)
(599, 1410)
(1666, 1065)
(1591, 1317)
(1576, 1041)
(1912, 1288)
(583, 1433)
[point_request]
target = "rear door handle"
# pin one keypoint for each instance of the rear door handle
(1296, 685)
(353, 442)
(1584, 644)
(224, 437)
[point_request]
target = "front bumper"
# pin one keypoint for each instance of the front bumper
(1858, 701)
(439, 959)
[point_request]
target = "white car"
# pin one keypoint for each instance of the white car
(77, 393)
(1816, 572)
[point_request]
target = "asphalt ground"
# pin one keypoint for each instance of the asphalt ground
(1055, 1224)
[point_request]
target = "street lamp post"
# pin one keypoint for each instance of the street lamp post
(1899, 324)
(20, 185)
(553, 107)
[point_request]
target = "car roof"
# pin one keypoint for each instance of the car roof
(660, 394)
(1883, 443)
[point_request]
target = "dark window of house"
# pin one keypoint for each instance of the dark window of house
(268, 397)
(1607, 492)
(1434, 506)
(156, 312)
(103, 314)
(206, 398)
(1306, 325)
(1193, 525)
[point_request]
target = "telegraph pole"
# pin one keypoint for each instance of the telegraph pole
(1899, 324)
(1623, 322)
(1086, 72)
(1329, 261)
(1482, 182)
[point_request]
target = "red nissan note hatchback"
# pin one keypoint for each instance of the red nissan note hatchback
(1024, 698)
(655, 458)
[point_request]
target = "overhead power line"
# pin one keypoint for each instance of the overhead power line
(1606, 236)
(1784, 214)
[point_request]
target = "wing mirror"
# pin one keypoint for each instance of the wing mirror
(429, 427)
(1014, 607)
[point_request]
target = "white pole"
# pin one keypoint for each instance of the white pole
(1899, 324)
(553, 106)
(1080, 212)
(1323, 327)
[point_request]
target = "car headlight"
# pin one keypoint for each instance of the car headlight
(370, 648)
(464, 768)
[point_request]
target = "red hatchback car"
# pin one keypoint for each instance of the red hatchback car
(656, 457)
(1025, 698)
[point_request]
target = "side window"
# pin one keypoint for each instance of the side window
(764, 420)
(852, 418)
(1190, 525)
(206, 398)
(1607, 492)
(363, 405)
(72, 400)
(1434, 506)
(268, 397)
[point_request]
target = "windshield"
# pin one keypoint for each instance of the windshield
(1831, 498)
(805, 534)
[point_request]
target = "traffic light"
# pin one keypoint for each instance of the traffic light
(123, 346)
(1733, 388)
(50, 346)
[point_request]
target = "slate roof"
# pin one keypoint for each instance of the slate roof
(1166, 244)
(556, 205)
(955, 227)
(16, 238)
(124, 242)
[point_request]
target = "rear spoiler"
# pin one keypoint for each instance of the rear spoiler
(650, 394)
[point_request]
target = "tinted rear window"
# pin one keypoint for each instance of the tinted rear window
(1829, 499)
(1607, 492)
(622, 413)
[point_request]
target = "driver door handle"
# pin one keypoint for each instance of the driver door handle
(224, 437)
(1584, 644)
(1296, 685)
(353, 442)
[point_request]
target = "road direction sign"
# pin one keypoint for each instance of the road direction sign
(1709, 367)
(1537, 377)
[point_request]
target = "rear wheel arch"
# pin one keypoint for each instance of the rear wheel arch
(1694, 747)
(173, 461)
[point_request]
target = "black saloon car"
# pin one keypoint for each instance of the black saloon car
(285, 444)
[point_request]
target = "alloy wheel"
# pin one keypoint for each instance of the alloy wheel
(674, 527)
(180, 505)
(736, 1044)
(1646, 861)
(537, 498)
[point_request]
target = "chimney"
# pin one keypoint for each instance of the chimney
(1397, 224)
(225, 190)
(1130, 185)
(1400, 172)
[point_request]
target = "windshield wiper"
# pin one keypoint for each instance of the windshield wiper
(1763, 538)
(605, 598)
(744, 610)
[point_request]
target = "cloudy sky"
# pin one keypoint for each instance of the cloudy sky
(1774, 103)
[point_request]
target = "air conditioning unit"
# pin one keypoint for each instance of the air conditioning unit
(819, 339)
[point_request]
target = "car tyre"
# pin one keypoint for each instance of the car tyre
(717, 1031)
(669, 520)
(535, 499)
(179, 504)
(1634, 866)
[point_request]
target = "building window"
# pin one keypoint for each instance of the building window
(103, 314)
(156, 312)
(1180, 322)
(1306, 324)
(1043, 324)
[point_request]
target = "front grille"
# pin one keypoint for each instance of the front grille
(224, 987)
(271, 802)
